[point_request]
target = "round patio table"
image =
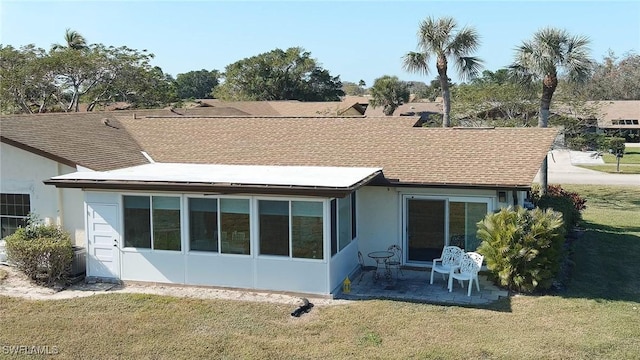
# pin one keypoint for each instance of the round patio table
(381, 258)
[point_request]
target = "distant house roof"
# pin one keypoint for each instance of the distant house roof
(93, 140)
(612, 112)
(289, 107)
(475, 157)
(419, 109)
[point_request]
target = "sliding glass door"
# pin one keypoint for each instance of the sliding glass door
(431, 223)
(425, 229)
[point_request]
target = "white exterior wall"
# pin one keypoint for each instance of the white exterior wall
(380, 211)
(379, 220)
(22, 172)
(251, 271)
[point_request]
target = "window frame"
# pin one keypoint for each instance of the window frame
(289, 201)
(150, 196)
(25, 217)
(219, 198)
(335, 222)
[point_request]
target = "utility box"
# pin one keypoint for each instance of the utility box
(78, 264)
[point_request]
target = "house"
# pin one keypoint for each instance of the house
(273, 203)
(290, 107)
(34, 148)
(621, 118)
(422, 110)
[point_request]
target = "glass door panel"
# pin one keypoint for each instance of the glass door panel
(463, 217)
(425, 229)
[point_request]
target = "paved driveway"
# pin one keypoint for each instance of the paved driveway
(563, 171)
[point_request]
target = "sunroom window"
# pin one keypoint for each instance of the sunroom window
(230, 234)
(291, 228)
(343, 222)
(152, 222)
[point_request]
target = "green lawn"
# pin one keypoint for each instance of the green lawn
(629, 163)
(598, 317)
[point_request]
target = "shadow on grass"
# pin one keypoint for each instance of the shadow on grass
(605, 264)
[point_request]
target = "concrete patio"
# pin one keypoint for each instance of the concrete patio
(413, 286)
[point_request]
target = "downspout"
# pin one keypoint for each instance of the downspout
(60, 218)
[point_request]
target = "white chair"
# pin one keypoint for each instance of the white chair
(450, 257)
(470, 265)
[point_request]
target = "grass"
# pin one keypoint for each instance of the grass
(3, 275)
(597, 317)
(629, 164)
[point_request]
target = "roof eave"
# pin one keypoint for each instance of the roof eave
(218, 188)
(39, 152)
(497, 186)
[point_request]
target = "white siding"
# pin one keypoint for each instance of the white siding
(23, 172)
(380, 213)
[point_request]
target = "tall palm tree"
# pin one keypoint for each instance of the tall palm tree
(441, 39)
(73, 39)
(541, 58)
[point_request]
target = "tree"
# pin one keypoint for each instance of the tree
(388, 92)
(439, 38)
(197, 84)
(279, 75)
(540, 59)
(493, 99)
(26, 80)
(32, 80)
(351, 88)
(73, 40)
(614, 79)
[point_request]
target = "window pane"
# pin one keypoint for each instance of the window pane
(344, 222)
(462, 223)
(203, 224)
(234, 226)
(274, 227)
(10, 225)
(334, 227)
(475, 213)
(306, 229)
(166, 223)
(137, 222)
(16, 208)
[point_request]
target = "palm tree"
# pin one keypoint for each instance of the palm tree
(439, 38)
(73, 39)
(540, 59)
(389, 92)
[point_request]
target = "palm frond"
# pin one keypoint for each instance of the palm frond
(416, 62)
(468, 66)
(465, 42)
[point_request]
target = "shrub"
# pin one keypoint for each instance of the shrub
(613, 144)
(569, 203)
(42, 252)
(522, 248)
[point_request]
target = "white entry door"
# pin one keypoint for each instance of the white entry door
(103, 240)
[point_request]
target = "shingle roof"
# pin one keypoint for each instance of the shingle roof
(288, 107)
(617, 110)
(412, 109)
(433, 156)
(74, 139)
(250, 107)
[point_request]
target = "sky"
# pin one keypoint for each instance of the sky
(353, 39)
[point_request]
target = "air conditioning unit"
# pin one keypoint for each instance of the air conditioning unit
(78, 265)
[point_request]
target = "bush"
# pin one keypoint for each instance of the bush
(569, 203)
(522, 248)
(613, 144)
(42, 252)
